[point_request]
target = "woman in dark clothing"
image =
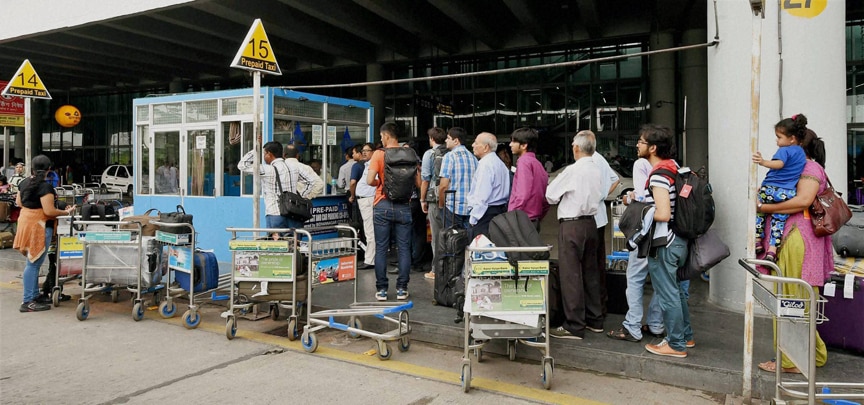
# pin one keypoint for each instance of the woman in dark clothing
(35, 229)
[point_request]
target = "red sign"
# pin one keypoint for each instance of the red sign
(11, 110)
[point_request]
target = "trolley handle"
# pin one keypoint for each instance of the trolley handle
(519, 249)
(750, 265)
(172, 225)
(265, 230)
(109, 223)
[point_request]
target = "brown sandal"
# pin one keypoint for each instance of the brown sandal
(622, 334)
(771, 366)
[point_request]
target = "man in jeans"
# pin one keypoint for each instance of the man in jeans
(390, 218)
(668, 251)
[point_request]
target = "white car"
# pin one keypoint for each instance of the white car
(117, 179)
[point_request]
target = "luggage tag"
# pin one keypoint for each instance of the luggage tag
(685, 191)
(829, 289)
(848, 286)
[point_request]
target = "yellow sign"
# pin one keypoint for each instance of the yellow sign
(70, 247)
(11, 120)
(805, 8)
(26, 83)
(256, 53)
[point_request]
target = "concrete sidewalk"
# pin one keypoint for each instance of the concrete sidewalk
(714, 365)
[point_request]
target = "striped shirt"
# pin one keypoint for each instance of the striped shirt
(458, 166)
(290, 174)
(661, 181)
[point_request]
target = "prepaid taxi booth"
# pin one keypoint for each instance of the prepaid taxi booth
(187, 147)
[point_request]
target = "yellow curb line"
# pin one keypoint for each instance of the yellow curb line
(534, 394)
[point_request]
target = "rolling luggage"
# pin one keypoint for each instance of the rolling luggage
(205, 271)
(449, 282)
(844, 329)
(616, 283)
(849, 240)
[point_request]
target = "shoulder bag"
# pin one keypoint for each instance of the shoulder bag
(829, 212)
(292, 205)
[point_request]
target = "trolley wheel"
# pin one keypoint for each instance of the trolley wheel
(82, 311)
(356, 324)
(310, 342)
(115, 295)
(547, 374)
(191, 319)
(404, 344)
(384, 352)
(167, 309)
(138, 311)
(511, 349)
(55, 297)
(293, 333)
(231, 328)
(466, 377)
(274, 313)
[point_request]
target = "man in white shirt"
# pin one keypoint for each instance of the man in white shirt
(344, 179)
(575, 295)
(310, 180)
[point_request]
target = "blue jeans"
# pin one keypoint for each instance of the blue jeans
(280, 222)
(31, 271)
(637, 271)
(663, 267)
(392, 219)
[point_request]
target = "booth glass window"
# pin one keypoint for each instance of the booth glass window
(232, 136)
(201, 162)
(166, 146)
(143, 185)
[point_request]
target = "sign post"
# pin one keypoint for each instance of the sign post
(256, 54)
(26, 83)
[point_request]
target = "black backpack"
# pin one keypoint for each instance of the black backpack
(400, 170)
(100, 210)
(438, 153)
(515, 229)
(694, 211)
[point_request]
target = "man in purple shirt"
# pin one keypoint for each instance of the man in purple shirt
(529, 183)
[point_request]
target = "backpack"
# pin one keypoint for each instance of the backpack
(515, 229)
(438, 153)
(400, 169)
(694, 204)
(100, 210)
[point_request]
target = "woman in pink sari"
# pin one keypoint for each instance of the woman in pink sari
(803, 254)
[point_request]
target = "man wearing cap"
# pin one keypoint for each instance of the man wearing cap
(17, 177)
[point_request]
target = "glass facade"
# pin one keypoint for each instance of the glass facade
(605, 97)
(855, 109)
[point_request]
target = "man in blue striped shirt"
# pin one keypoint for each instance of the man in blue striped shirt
(457, 170)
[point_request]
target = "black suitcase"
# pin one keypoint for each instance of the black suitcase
(449, 283)
(849, 240)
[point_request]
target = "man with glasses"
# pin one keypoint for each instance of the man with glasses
(363, 194)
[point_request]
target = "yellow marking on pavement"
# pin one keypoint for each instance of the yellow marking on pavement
(534, 394)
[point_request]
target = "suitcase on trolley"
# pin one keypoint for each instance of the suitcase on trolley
(449, 281)
(845, 328)
(849, 239)
(276, 291)
(205, 271)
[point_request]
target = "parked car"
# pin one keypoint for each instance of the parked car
(118, 179)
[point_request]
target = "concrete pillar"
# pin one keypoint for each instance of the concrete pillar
(37, 108)
(375, 96)
(694, 86)
(662, 74)
(812, 82)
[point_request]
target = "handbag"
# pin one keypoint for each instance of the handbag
(147, 229)
(703, 253)
(179, 217)
(829, 212)
(291, 204)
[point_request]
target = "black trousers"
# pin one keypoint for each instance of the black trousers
(574, 293)
(482, 225)
(601, 264)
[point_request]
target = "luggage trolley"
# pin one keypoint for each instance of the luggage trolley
(499, 307)
(256, 261)
(70, 255)
(113, 255)
(335, 260)
(796, 318)
(180, 251)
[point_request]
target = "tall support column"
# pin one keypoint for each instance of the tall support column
(813, 82)
(375, 95)
(694, 86)
(662, 92)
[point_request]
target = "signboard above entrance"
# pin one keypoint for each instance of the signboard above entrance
(255, 53)
(26, 83)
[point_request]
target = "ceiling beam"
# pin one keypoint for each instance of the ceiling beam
(280, 22)
(360, 22)
(416, 18)
(589, 11)
(474, 24)
(526, 15)
(48, 67)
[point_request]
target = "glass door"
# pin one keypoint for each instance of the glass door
(200, 164)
